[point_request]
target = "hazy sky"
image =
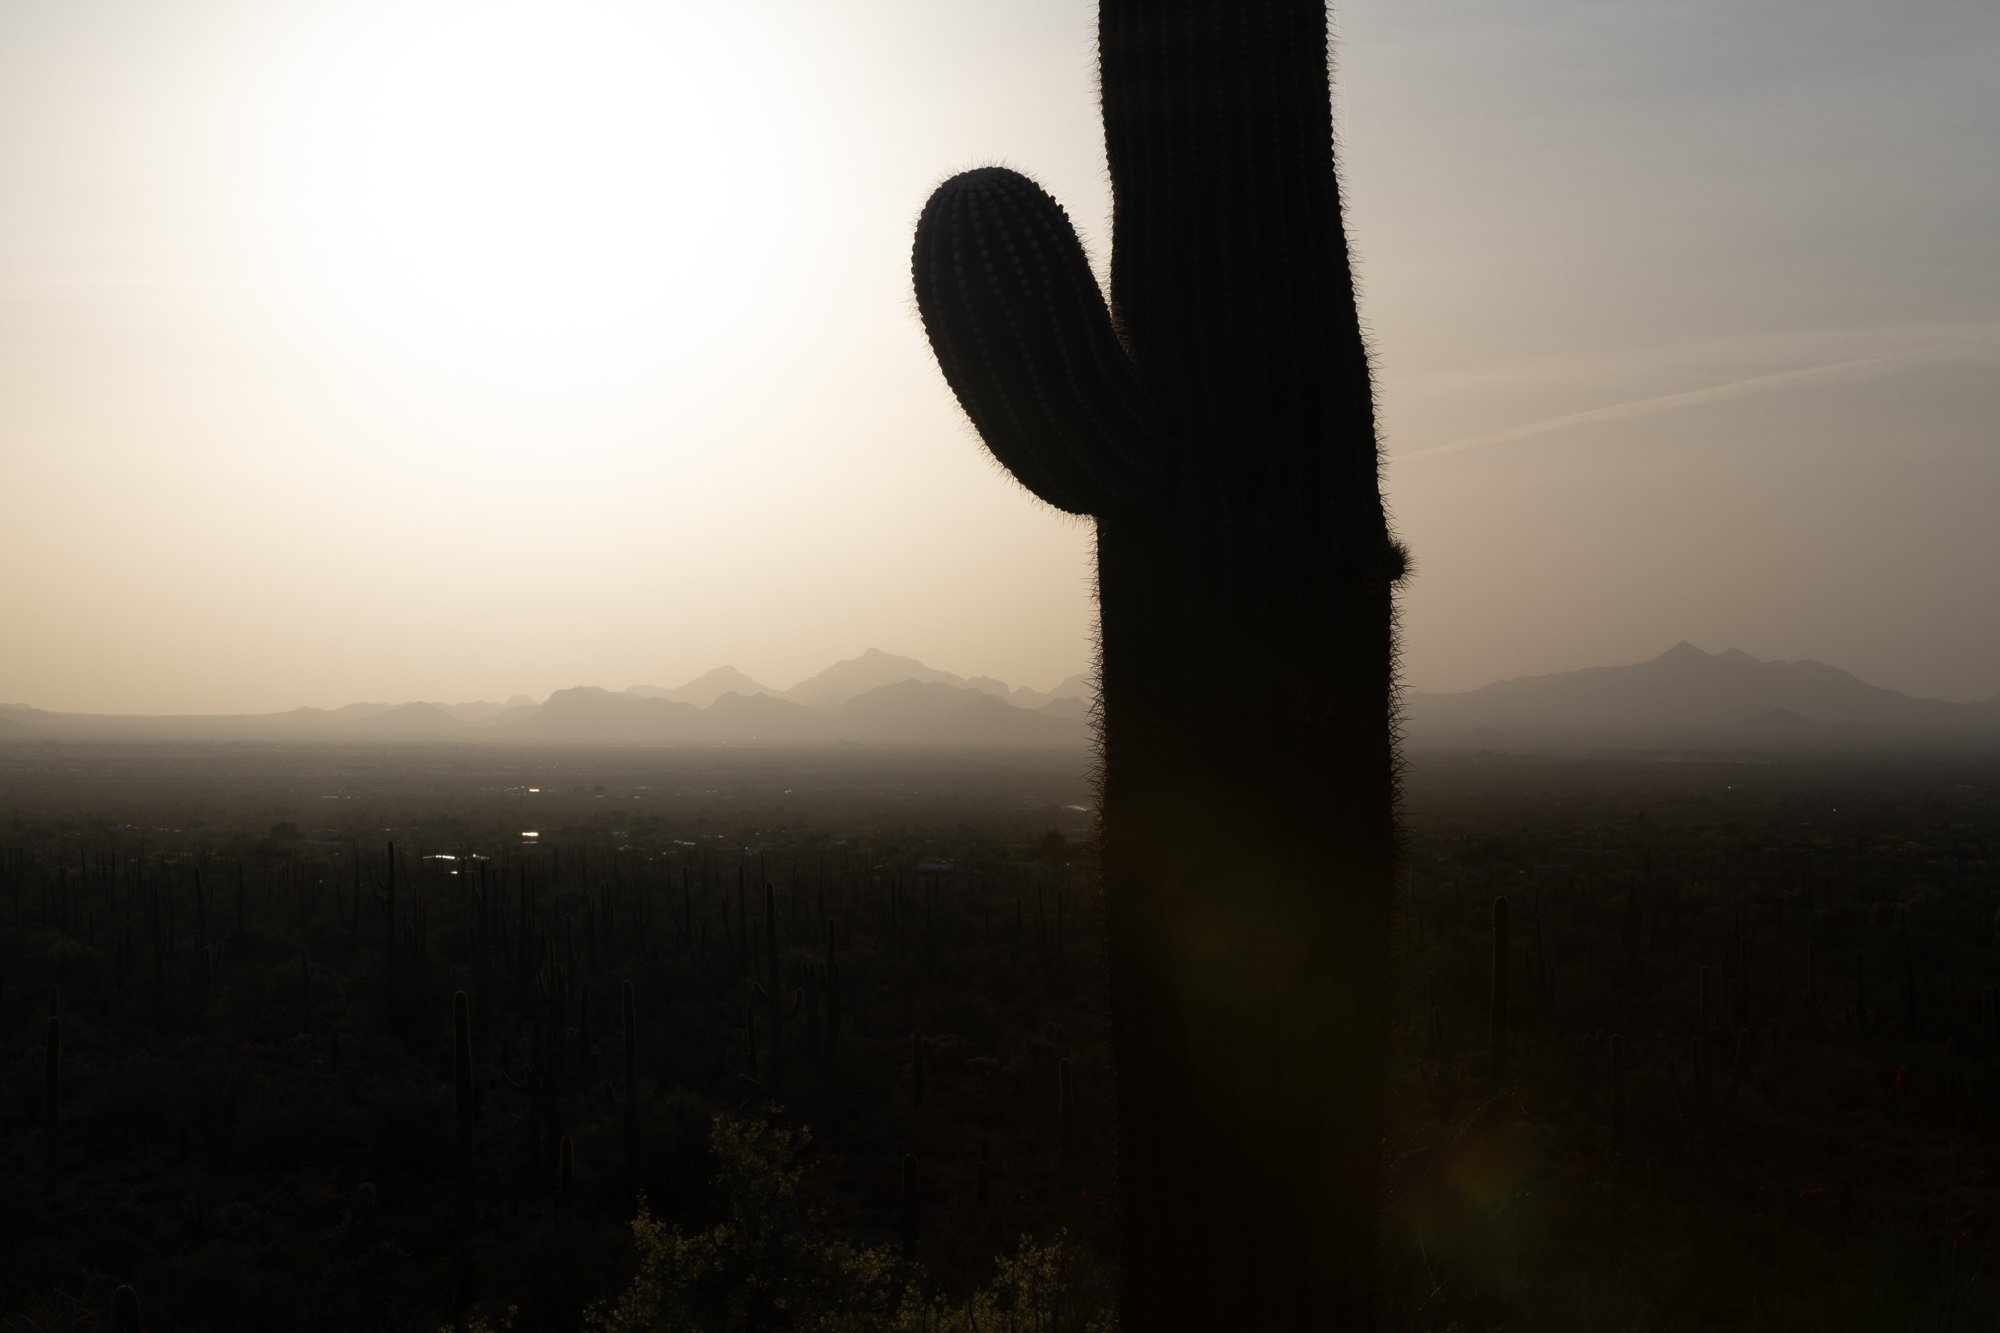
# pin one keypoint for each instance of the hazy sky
(453, 350)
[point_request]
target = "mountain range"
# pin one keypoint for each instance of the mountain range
(1684, 699)
(1688, 699)
(877, 698)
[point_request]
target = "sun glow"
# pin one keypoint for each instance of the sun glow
(524, 183)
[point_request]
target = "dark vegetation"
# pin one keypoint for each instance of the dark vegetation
(314, 1074)
(1811, 1145)
(1214, 418)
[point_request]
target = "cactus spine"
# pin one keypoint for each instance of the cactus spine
(1215, 420)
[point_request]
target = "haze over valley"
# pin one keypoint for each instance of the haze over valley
(1683, 699)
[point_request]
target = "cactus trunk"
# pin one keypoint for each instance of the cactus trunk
(1216, 420)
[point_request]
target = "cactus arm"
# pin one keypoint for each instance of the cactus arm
(1025, 340)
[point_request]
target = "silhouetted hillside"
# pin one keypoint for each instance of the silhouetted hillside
(933, 713)
(705, 689)
(870, 671)
(1684, 699)
(414, 718)
(356, 712)
(1689, 698)
(1080, 687)
(762, 720)
(588, 714)
(482, 709)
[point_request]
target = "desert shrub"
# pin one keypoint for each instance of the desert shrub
(760, 1264)
(765, 1263)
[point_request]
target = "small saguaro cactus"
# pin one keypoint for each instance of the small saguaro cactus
(1443, 1075)
(462, 1095)
(385, 898)
(1499, 992)
(777, 1014)
(631, 1082)
(125, 1314)
(565, 1176)
(910, 1218)
(1702, 1039)
(1065, 1114)
(810, 988)
(833, 1009)
(1617, 1095)
(1215, 420)
(52, 1097)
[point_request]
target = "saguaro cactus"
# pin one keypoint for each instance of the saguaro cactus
(462, 1095)
(631, 1082)
(125, 1313)
(1500, 991)
(1215, 420)
(910, 1218)
(52, 1098)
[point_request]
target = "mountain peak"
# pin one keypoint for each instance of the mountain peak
(704, 689)
(1690, 699)
(857, 675)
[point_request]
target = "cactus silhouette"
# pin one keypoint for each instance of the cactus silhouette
(462, 1099)
(1215, 419)
(125, 1314)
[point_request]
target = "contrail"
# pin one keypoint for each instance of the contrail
(1788, 379)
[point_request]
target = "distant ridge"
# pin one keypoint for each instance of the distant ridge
(704, 689)
(877, 698)
(1079, 688)
(414, 717)
(1690, 699)
(870, 671)
(1684, 699)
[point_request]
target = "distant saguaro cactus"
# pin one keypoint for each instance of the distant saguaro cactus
(462, 1095)
(909, 1217)
(125, 1314)
(1215, 420)
(1065, 1114)
(1499, 1040)
(52, 1097)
